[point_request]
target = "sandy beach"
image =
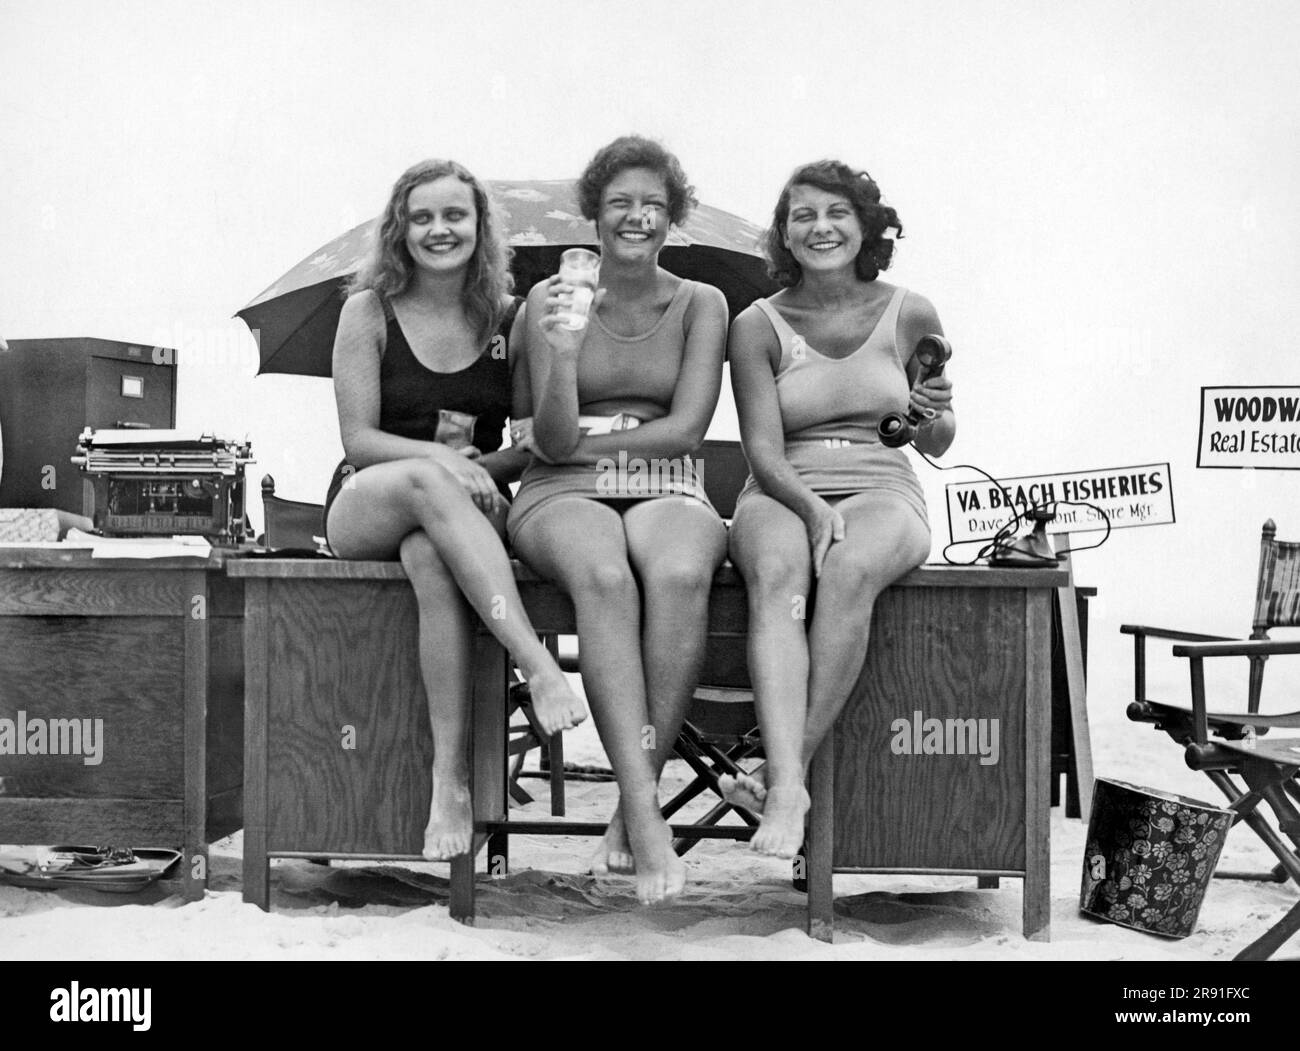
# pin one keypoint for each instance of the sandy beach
(737, 905)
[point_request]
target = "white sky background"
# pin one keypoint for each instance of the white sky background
(1100, 199)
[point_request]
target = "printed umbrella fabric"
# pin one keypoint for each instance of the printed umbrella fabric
(295, 319)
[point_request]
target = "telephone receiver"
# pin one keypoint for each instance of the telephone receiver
(896, 430)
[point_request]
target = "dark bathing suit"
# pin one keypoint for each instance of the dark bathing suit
(411, 395)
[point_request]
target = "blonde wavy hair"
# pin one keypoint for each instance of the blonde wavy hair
(387, 267)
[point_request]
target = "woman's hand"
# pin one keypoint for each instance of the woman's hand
(931, 398)
(521, 432)
(559, 296)
(825, 525)
(473, 477)
(521, 435)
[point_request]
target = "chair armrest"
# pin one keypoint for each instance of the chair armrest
(1169, 633)
(1140, 632)
(1196, 652)
(1241, 648)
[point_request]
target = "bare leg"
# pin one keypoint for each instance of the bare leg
(581, 544)
(675, 545)
(389, 510)
(884, 539)
(446, 646)
(769, 545)
(383, 504)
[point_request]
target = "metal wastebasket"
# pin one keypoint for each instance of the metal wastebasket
(1150, 857)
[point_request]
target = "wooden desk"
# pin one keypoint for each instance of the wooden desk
(154, 648)
(952, 644)
(332, 646)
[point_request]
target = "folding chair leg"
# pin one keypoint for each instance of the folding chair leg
(1260, 826)
(555, 753)
(498, 854)
(1274, 938)
(681, 846)
(693, 755)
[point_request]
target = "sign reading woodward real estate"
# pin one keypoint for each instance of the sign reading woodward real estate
(1250, 427)
(1129, 496)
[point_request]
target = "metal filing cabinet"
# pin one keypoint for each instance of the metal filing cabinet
(51, 388)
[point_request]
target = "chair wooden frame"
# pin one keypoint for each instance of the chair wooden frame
(1249, 770)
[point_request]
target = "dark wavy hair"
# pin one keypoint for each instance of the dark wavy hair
(388, 266)
(635, 151)
(862, 192)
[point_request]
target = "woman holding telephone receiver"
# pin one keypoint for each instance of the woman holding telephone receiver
(816, 369)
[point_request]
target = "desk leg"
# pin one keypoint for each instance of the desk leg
(1072, 644)
(489, 776)
(821, 821)
(1038, 746)
(194, 852)
(257, 875)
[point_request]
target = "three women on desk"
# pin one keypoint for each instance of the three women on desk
(814, 368)
(422, 380)
(824, 495)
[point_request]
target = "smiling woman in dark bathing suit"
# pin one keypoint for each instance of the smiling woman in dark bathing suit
(422, 387)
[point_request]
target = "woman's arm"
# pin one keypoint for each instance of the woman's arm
(507, 464)
(357, 352)
(552, 358)
(755, 353)
(918, 319)
(695, 396)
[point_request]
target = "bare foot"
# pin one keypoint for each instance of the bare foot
(747, 790)
(781, 830)
(555, 704)
(613, 854)
(451, 821)
(660, 874)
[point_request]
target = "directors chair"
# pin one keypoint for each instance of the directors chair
(1247, 767)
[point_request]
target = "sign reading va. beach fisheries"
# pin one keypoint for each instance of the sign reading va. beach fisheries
(1250, 427)
(1129, 496)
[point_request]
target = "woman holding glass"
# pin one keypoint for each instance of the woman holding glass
(422, 381)
(814, 369)
(611, 507)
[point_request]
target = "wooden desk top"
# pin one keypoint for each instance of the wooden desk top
(929, 575)
(75, 556)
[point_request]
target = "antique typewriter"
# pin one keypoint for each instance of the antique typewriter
(165, 483)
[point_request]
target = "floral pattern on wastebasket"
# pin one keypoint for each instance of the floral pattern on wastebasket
(1149, 857)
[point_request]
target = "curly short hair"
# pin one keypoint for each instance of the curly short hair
(861, 191)
(635, 151)
(387, 267)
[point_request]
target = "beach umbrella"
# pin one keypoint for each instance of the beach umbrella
(296, 317)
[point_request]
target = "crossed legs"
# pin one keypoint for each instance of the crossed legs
(640, 587)
(458, 567)
(802, 678)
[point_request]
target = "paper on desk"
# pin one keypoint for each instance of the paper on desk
(141, 546)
